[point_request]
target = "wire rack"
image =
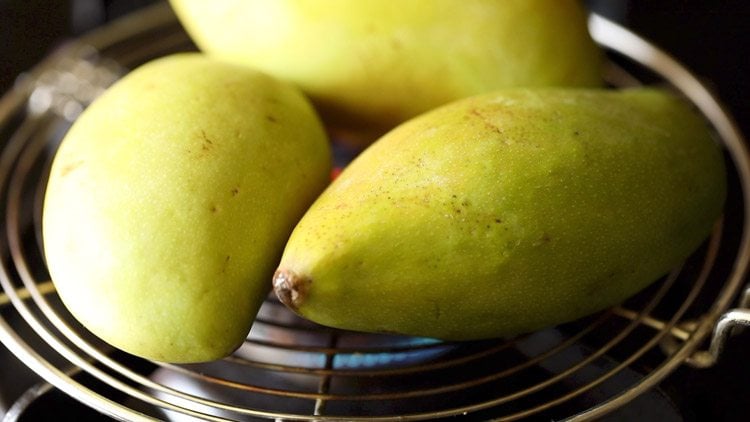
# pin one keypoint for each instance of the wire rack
(291, 369)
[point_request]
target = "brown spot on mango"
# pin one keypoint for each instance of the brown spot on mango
(68, 168)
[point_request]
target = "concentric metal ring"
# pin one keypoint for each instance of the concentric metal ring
(290, 369)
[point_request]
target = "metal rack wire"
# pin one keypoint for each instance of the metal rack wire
(291, 369)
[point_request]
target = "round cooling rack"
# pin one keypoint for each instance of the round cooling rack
(291, 369)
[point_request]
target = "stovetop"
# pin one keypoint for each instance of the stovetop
(687, 29)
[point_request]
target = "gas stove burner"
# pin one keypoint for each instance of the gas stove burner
(314, 346)
(292, 369)
(283, 350)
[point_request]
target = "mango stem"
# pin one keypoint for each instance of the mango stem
(291, 288)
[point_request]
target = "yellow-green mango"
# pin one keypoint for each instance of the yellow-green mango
(507, 212)
(369, 65)
(170, 200)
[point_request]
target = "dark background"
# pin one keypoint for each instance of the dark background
(711, 37)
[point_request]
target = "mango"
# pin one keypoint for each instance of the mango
(170, 200)
(507, 212)
(370, 65)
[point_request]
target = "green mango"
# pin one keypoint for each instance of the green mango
(369, 65)
(170, 200)
(505, 213)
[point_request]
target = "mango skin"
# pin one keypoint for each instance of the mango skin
(170, 200)
(506, 213)
(370, 65)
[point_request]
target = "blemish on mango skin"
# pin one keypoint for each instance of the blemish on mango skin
(485, 120)
(207, 143)
(205, 147)
(544, 239)
(599, 284)
(68, 168)
(225, 264)
(436, 311)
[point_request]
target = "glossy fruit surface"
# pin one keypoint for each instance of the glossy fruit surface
(369, 65)
(505, 213)
(170, 200)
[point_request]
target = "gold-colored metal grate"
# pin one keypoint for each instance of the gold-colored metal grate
(291, 369)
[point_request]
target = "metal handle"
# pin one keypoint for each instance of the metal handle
(724, 328)
(609, 34)
(745, 302)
